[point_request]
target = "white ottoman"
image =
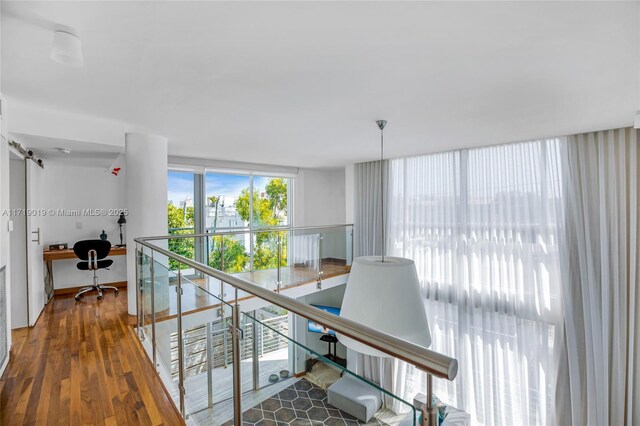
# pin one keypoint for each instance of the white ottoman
(354, 397)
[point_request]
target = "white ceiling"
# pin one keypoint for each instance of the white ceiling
(302, 83)
(82, 153)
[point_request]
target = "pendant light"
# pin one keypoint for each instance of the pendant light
(384, 292)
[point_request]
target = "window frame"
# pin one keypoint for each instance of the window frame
(199, 204)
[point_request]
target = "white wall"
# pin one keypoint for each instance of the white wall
(319, 197)
(78, 187)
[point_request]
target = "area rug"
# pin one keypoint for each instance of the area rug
(301, 404)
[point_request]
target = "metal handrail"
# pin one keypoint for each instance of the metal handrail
(434, 363)
(242, 231)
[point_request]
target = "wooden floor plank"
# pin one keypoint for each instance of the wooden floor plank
(82, 364)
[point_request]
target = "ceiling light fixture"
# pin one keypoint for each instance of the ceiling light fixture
(64, 150)
(384, 292)
(67, 48)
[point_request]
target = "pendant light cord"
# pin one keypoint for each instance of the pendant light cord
(382, 189)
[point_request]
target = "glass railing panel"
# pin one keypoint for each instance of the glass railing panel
(208, 349)
(312, 368)
(230, 252)
(270, 355)
(187, 247)
(333, 252)
(144, 275)
(265, 251)
(287, 256)
(139, 296)
(303, 257)
(246, 354)
(349, 250)
(166, 326)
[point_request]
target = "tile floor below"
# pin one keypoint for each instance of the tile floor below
(302, 403)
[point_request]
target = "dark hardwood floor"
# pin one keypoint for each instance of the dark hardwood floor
(82, 364)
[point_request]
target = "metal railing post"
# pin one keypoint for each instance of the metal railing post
(209, 353)
(225, 348)
(279, 257)
(221, 311)
(429, 412)
(142, 295)
(180, 341)
(207, 252)
(222, 254)
(251, 233)
(138, 295)
(237, 382)
(153, 311)
(320, 271)
(261, 341)
(256, 356)
(352, 244)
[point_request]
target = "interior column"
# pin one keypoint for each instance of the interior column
(146, 196)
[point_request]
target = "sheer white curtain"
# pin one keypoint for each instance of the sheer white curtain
(304, 250)
(367, 210)
(482, 227)
(601, 290)
(388, 372)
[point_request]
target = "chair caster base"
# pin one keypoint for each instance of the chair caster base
(98, 288)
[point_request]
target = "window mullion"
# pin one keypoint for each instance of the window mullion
(199, 217)
(251, 223)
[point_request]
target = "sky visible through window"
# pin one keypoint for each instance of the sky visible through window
(225, 185)
(180, 185)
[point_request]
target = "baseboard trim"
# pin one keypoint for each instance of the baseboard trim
(70, 290)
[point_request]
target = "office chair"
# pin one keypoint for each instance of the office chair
(92, 253)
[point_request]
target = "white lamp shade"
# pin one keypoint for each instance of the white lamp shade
(385, 296)
(67, 49)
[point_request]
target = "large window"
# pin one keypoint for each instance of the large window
(270, 206)
(224, 193)
(239, 204)
(482, 228)
(180, 213)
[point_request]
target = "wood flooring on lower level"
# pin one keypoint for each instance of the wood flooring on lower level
(82, 364)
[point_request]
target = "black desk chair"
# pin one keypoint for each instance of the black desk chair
(92, 253)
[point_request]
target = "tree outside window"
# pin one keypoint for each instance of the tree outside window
(270, 209)
(180, 222)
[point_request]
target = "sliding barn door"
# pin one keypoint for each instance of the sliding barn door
(35, 265)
